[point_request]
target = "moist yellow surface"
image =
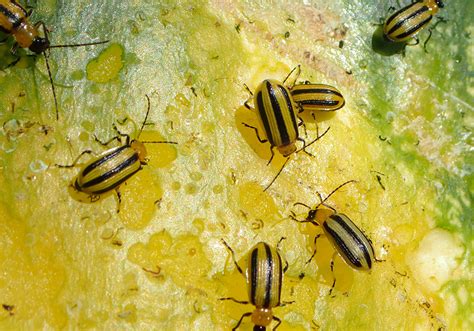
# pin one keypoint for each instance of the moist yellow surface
(159, 263)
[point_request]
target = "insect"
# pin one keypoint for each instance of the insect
(109, 170)
(264, 276)
(317, 97)
(14, 21)
(276, 112)
(346, 238)
(405, 23)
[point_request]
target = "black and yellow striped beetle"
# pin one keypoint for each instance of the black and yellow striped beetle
(405, 23)
(113, 167)
(346, 238)
(14, 21)
(314, 97)
(276, 112)
(317, 97)
(264, 276)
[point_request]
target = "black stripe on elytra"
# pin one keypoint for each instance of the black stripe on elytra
(116, 184)
(340, 243)
(280, 121)
(359, 241)
(414, 29)
(12, 18)
(269, 276)
(391, 18)
(253, 275)
(103, 159)
(316, 90)
(264, 117)
(319, 102)
(408, 18)
(131, 160)
(290, 107)
(280, 276)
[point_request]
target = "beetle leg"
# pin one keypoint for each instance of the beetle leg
(315, 249)
(284, 303)
(235, 300)
(332, 271)
(303, 221)
(278, 249)
(302, 123)
(240, 321)
(278, 324)
(246, 103)
(256, 132)
(121, 134)
(307, 145)
(11, 64)
(304, 147)
(108, 141)
(119, 199)
(440, 20)
(271, 157)
(233, 256)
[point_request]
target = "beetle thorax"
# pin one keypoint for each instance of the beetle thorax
(140, 149)
(262, 316)
(287, 150)
(25, 34)
(434, 5)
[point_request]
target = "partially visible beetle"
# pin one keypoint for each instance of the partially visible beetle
(346, 238)
(109, 170)
(405, 23)
(264, 276)
(317, 97)
(14, 21)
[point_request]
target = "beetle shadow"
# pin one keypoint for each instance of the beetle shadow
(263, 150)
(384, 47)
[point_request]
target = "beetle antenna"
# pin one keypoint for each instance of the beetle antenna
(296, 78)
(80, 45)
(315, 140)
(278, 174)
(159, 142)
(143, 125)
(52, 85)
(146, 116)
(334, 191)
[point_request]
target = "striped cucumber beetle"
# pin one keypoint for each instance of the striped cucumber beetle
(405, 23)
(264, 277)
(314, 97)
(109, 170)
(14, 21)
(317, 97)
(348, 240)
(276, 113)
